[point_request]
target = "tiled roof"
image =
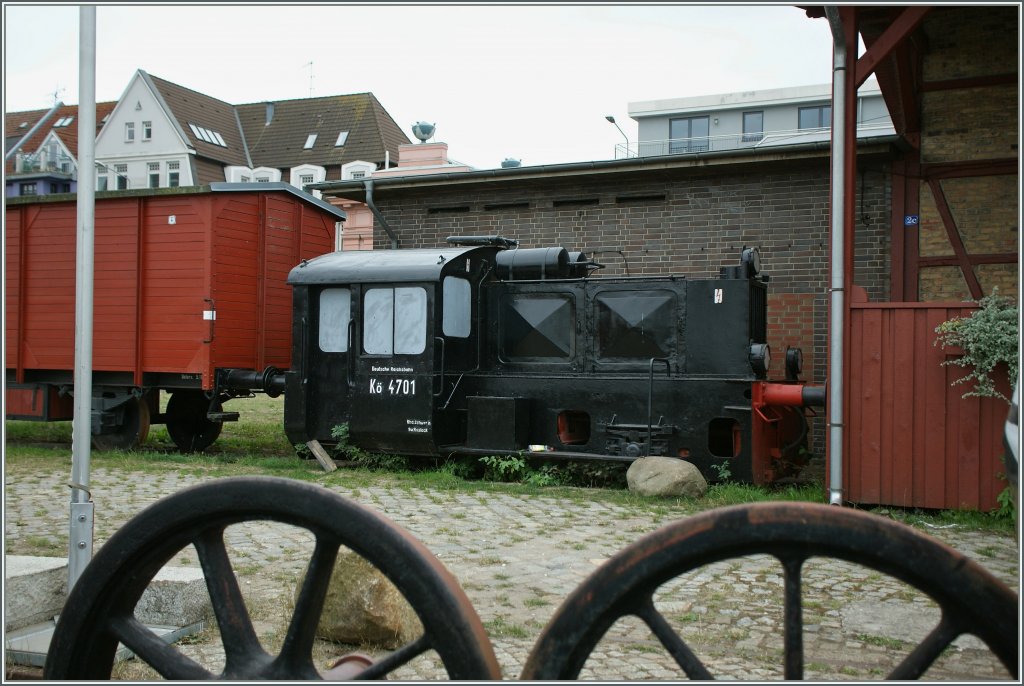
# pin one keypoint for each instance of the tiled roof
(280, 143)
(68, 134)
(17, 124)
(191, 107)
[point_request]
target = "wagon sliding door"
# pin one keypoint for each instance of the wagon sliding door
(392, 395)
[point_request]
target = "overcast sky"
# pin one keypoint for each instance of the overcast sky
(530, 82)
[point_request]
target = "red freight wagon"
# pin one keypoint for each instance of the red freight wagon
(190, 298)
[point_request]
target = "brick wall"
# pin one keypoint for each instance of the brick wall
(978, 123)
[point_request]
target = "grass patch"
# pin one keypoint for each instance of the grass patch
(882, 641)
(500, 628)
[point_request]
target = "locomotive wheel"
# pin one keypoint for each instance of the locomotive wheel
(971, 599)
(99, 611)
(133, 429)
(187, 424)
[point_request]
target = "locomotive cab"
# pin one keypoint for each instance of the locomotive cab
(377, 335)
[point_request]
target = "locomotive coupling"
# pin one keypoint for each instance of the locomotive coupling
(793, 395)
(271, 380)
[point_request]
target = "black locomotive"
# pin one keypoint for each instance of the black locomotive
(484, 348)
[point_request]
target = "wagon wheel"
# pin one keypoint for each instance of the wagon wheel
(132, 431)
(100, 609)
(187, 424)
(971, 599)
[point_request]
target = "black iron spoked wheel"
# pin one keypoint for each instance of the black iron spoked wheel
(187, 424)
(971, 599)
(132, 431)
(100, 609)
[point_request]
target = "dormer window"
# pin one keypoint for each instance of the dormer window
(342, 137)
(310, 140)
(63, 121)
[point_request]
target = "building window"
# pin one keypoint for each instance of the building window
(358, 175)
(306, 179)
(688, 135)
(819, 117)
(245, 179)
(66, 188)
(101, 183)
(122, 176)
(342, 137)
(753, 126)
(147, 130)
(262, 179)
(53, 188)
(173, 179)
(129, 132)
(29, 189)
(154, 174)
(310, 141)
(205, 134)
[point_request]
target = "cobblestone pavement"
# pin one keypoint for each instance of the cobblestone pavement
(518, 556)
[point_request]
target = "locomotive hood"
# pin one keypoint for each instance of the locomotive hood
(376, 266)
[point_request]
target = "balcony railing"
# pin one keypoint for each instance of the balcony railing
(737, 141)
(40, 162)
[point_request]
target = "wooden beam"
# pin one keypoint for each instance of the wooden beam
(321, 455)
(973, 82)
(898, 31)
(954, 239)
(953, 261)
(968, 168)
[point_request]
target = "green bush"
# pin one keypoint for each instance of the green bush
(504, 468)
(988, 337)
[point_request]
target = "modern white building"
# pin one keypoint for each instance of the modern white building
(750, 119)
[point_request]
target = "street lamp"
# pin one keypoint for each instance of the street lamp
(612, 120)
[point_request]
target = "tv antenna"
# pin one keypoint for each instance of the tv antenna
(56, 94)
(310, 65)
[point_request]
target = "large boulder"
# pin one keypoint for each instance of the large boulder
(665, 476)
(363, 607)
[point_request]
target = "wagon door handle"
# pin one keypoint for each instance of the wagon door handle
(211, 316)
(349, 367)
(440, 390)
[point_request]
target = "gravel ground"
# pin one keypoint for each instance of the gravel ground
(518, 556)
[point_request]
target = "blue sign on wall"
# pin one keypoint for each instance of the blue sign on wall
(910, 220)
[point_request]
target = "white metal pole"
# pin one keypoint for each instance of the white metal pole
(835, 374)
(81, 529)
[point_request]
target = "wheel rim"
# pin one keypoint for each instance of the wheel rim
(100, 609)
(187, 424)
(133, 430)
(971, 599)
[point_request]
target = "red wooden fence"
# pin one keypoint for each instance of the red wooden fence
(911, 440)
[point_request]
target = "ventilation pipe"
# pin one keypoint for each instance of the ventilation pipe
(368, 185)
(837, 302)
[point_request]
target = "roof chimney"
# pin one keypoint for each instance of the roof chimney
(270, 113)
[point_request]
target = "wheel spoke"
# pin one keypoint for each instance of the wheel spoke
(393, 661)
(297, 651)
(793, 618)
(237, 634)
(684, 657)
(157, 653)
(922, 657)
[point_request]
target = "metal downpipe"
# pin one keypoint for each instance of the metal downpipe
(836, 294)
(368, 185)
